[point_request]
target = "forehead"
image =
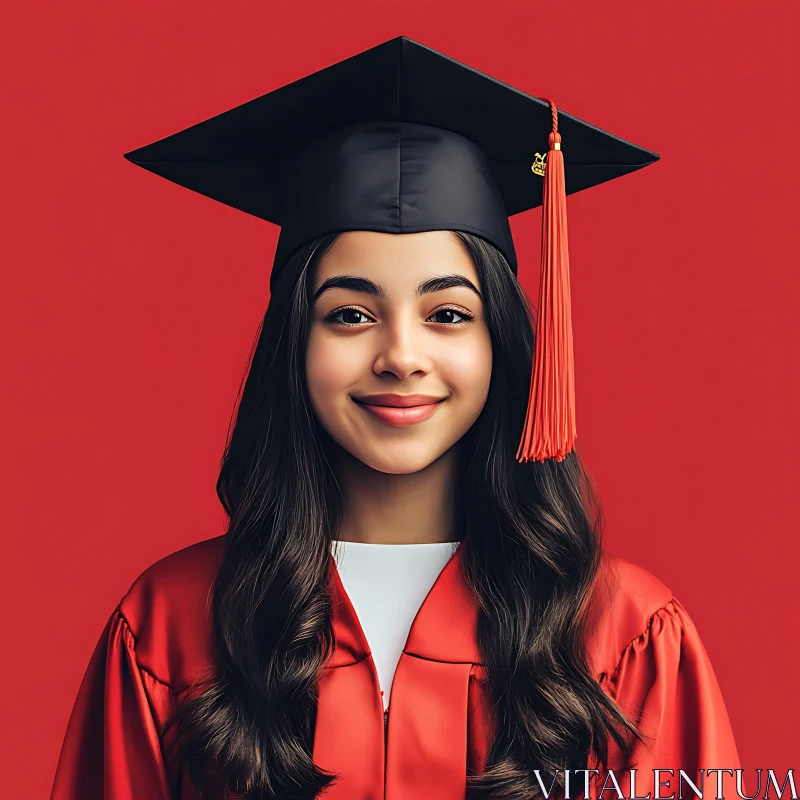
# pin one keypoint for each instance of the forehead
(396, 260)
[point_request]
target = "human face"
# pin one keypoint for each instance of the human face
(397, 315)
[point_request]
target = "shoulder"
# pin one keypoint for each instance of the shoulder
(168, 612)
(624, 601)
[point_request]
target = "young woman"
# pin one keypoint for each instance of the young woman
(400, 607)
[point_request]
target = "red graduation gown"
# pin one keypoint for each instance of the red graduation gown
(643, 648)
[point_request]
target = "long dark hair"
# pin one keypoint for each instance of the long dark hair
(531, 538)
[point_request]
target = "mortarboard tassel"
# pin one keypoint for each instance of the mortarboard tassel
(549, 430)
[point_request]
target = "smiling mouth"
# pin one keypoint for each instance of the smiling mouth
(401, 417)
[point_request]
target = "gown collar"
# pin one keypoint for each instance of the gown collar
(421, 747)
(443, 629)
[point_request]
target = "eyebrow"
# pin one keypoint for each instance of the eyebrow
(367, 286)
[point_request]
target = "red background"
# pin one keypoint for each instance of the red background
(129, 306)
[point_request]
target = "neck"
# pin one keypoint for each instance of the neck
(380, 508)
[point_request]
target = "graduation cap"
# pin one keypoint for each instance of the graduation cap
(402, 139)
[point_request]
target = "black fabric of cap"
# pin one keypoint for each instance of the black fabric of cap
(399, 138)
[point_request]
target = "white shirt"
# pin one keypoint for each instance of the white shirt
(386, 584)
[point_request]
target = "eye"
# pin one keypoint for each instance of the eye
(446, 316)
(348, 317)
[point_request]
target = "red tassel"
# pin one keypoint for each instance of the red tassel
(549, 430)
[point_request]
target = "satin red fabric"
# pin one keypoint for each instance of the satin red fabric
(644, 650)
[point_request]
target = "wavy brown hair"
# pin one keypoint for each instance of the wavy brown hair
(531, 550)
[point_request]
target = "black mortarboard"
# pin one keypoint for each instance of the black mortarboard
(401, 138)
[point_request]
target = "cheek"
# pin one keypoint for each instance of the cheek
(468, 369)
(332, 365)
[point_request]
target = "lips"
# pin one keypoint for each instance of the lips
(400, 410)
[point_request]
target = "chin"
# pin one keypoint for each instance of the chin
(396, 460)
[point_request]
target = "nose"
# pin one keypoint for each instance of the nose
(401, 349)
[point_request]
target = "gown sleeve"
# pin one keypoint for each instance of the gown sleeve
(665, 684)
(111, 749)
